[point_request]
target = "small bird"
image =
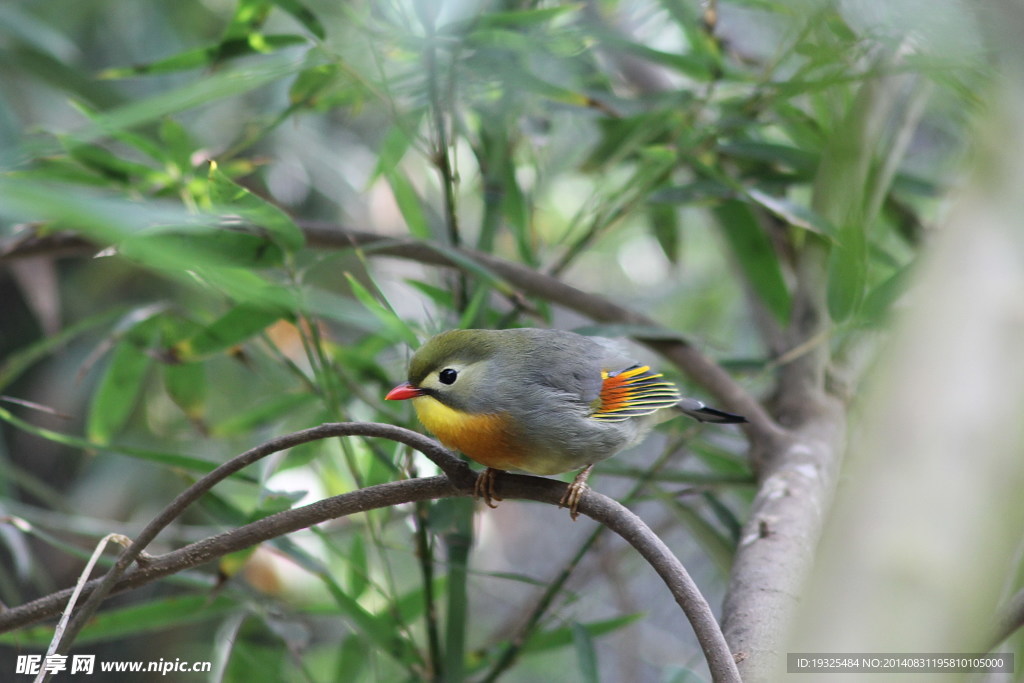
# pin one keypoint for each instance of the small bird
(540, 401)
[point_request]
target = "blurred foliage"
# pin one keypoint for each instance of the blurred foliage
(671, 154)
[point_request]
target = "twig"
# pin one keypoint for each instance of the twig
(441, 153)
(425, 558)
(58, 632)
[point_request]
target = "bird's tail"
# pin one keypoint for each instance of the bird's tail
(700, 412)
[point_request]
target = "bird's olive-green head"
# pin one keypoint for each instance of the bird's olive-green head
(457, 368)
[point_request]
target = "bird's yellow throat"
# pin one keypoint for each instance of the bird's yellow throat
(481, 437)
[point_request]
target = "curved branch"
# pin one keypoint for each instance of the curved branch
(595, 505)
(456, 470)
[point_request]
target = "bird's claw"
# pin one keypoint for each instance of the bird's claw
(484, 487)
(574, 492)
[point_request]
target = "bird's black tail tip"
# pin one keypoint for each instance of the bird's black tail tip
(706, 414)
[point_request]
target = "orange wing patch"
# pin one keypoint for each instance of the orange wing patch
(633, 392)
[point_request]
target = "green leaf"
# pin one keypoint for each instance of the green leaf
(191, 59)
(309, 85)
(624, 137)
(753, 250)
(586, 654)
(118, 623)
(441, 296)
(393, 146)
(880, 299)
(178, 143)
(847, 272)
(664, 222)
(793, 213)
(108, 164)
(213, 87)
(697, 68)
(229, 195)
(140, 142)
(542, 641)
(358, 567)
(380, 629)
(234, 327)
(409, 203)
(200, 245)
(353, 657)
(249, 16)
(186, 385)
(118, 391)
(171, 460)
(698, 190)
(802, 161)
(398, 328)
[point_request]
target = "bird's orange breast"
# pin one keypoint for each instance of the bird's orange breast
(486, 438)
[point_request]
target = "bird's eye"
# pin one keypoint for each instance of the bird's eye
(448, 376)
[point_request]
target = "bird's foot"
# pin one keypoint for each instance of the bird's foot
(484, 487)
(574, 492)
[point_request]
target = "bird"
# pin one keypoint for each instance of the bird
(541, 401)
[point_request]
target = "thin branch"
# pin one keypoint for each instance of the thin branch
(593, 504)
(762, 430)
(209, 549)
(442, 156)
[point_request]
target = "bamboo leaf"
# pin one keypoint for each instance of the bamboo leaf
(118, 623)
(754, 252)
(173, 461)
(553, 639)
(186, 385)
(409, 203)
(399, 329)
(793, 213)
(118, 391)
(200, 245)
(229, 195)
(586, 654)
(847, 272)
(234, 327)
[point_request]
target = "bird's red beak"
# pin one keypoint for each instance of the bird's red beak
(402, 392)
